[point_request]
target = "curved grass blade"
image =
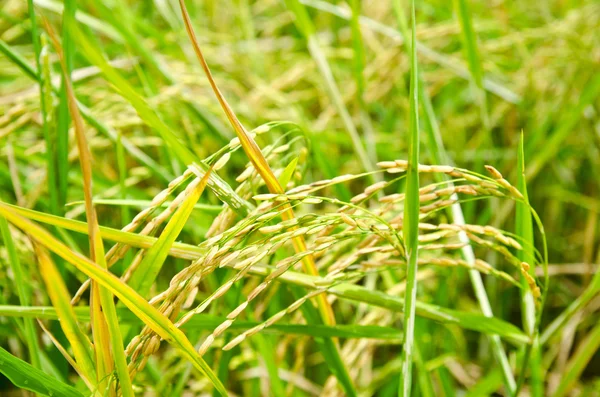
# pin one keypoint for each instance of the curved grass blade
(108, 342)
(25, 376)
(136, 303)
(180, 250)
(262, 166)
(143, 277)
(127, 29)
(288, 172)
(64, 351)
(258, 160)
(23, 291)
(411, 220)
(15, 57)
(144, 110)
(63, 118)
(221, 189)
(59, 296)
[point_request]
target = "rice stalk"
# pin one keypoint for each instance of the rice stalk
(259, 162)
(108, 343)
(411, 217)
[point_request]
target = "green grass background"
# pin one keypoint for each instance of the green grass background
(509, 68)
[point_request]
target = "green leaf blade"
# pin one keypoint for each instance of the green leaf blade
(25, 376)
(411, 221)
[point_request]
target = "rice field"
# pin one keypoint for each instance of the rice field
(299, 198)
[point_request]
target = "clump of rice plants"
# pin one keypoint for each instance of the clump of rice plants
(388, 226)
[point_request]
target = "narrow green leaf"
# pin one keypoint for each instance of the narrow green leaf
(14, 56)
(411, 220)
(470, 45)
(48, 119)
(434, 142)
(59, 296)
(95, 57)
(288, 172)
(25, 376)
(301, 17)
(179, 250)
(136, 303)
(108, 342)
(524, 229)
(476, 322)
(267, 352)
(327, 346)
(208, 322)
(126, 28)
(440, 156)
(143, 277)
(23, 291)
(221, 189)
(122, 167)
(63, 119)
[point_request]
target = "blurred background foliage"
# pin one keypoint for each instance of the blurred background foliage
(540, 61)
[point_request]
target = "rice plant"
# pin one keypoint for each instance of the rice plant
(299, 197)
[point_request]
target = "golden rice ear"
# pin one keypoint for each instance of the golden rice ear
(258, 160)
